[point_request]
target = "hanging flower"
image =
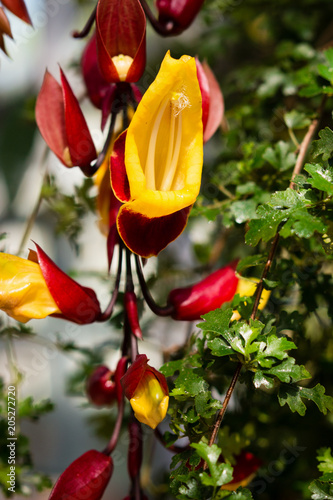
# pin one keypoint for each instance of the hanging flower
(191, 302)
(62, 124)
(156, 165)
(147, 391)
(36, 288)
(177, 15)
(121, 40)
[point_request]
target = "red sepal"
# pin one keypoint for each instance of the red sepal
(101, 387)
(18, 8)
(4, 24)
(148, 236)
(121, 29)
(86, 477)
(136, 372)
(119, 179)
(216, 104)
(77, 303)
(180, 12)
(50, 117)
(131, 309)
(81, 146)
(119, 373)
(134, 457)
(96, 85)
(191, 302)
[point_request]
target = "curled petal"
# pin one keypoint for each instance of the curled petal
(147, 236)
(191, 302)
(121, 35)
(24, 294)
(86, 477)
(76, 303)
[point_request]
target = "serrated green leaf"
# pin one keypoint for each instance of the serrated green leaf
(321, 491)
(325, 459)
(275, 347)
(303, 224)
(292, 395)
(329, 56)
(220, 473)
(317, 395)
(324, 145)
(216, 322)
(266, 224)
(280, 157)
(288, 199)
(169, 368)
(321, 178)
(251, 261)
(325, 72)
(240, 494)
(191, 489)
(219, 347)
(243, 210)
(260, 379)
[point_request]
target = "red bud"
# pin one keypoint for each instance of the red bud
(136, 372)
(86, 477)
(191, 302)
(101, 387)
(132, 313)
(180, 13)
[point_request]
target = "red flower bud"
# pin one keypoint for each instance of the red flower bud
(101, 387)
(121, 37)
(134, 458)
(132, 313)
(86, 477)
(177, 13)
(212, 100)
(62, 124)
(193, 301)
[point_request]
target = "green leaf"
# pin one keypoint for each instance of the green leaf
(321, 491)
(303, 224)
(321, 178)
(216, 322)
(324, 145)
(243, 210)
(325, 459)
(292, 395)
(280, 157)
(220, 473)
(251, 261)
(240, 494)
(275, 347)
(266, 224)
(296, 120)
(169, 368)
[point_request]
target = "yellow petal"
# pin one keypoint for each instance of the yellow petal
(246, 288)
(150, 403)
(164, 143)
(23, 291)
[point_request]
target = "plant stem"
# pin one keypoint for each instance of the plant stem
(108, 311)
(116, 431)
(158, 310)
(158, 27)
(85, 30)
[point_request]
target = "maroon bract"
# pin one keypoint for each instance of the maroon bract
(131, 308)
(62, 124)
(77, 303)
(212, 100)
(101, 386)
(86, 477)
(121, 36)
(178, 14)
(191, 302)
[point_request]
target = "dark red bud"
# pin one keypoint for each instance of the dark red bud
(86, 477)
(101, 386)
(179, 13)
(191, 302)
(132, 313)
(134, 459)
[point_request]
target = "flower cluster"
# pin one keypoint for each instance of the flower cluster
(148, 176)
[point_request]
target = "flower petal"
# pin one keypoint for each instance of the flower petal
(76, 303)
(216, 104)
(24, 294)
(148, 236)
(119, 179)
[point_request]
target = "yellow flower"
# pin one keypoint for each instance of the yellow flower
(150, 403)
(164, 143)
(246, 288)
(24, 294)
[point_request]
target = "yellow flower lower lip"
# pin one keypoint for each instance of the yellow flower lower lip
(150, 403)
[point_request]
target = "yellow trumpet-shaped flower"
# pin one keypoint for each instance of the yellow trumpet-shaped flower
(24, 294)
(150, 402)
(246, 288)
(164, 143)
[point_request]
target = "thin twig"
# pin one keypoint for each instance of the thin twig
(85, 30)
(108, 311)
